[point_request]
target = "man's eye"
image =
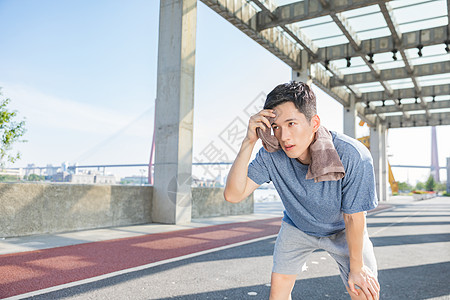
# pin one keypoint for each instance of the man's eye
(291, 124)
(274, 127)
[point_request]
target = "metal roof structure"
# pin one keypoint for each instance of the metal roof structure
(390, 58)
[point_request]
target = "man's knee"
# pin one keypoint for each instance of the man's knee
(281, 286)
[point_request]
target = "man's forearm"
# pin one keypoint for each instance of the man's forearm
(355, 226)
(237, 177)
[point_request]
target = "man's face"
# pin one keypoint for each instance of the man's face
(293, 131)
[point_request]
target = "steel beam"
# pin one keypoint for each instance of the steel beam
(343, 24)
(427, 91)
(305, 10)
(405, 107)
(242, 14)
(419, 120)
(321, 78)
(388, 15)
(409, 40)
(391, 74)
(292, 30)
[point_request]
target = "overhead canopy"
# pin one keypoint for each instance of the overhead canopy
(390, 57)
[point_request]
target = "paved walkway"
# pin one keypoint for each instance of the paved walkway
(224, 258)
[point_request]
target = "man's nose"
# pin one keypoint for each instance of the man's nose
(285, 136)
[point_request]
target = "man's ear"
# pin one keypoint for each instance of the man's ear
(315, 122)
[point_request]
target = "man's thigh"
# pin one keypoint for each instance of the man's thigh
(292, 249)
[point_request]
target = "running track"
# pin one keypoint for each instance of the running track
(35, 270)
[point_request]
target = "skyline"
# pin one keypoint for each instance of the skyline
(88, 88)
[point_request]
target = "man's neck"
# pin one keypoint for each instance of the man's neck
(305, 160)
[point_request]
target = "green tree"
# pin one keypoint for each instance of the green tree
(34, 177)
(430, 184)
(420, 186)
(441, 186)
(8, 178)
(404, 186)
(11, 131)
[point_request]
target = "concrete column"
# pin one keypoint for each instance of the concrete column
(174, 112)
(384, 165)
(448, 175)
(304, 73)
(350, 118)
(375, 150)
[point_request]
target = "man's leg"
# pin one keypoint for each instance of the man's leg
(292, 248)
(337, 247)
(281, 286)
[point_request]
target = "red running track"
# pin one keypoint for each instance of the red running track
(34, 270)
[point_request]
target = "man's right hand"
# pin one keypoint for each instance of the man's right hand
(259, 120)
(239, 185)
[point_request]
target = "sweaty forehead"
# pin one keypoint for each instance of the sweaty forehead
(287, 112)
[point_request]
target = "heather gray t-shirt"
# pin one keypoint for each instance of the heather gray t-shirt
(317, 208)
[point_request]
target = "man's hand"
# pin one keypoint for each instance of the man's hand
(366, 281)
(258, 120)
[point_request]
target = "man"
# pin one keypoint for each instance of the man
(327, 215)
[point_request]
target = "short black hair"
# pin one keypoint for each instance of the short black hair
(298, 92)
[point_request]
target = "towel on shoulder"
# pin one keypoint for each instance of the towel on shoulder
(325, 162)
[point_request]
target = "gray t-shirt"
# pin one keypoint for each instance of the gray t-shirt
(317, 208)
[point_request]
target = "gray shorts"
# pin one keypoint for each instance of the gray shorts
(293, 247)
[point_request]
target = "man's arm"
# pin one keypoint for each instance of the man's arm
(359, 274)
(238, 185)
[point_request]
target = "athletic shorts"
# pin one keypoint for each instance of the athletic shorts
(293, 247)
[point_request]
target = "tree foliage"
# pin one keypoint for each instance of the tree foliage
(11, 130)
(34, 177)
(420, 186)
(430, 184)
(404, 186)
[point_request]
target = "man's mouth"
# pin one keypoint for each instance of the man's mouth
(288, 147)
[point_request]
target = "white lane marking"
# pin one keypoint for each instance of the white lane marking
(381, 210)
(392, 224)
(139, 268)
(252, 293)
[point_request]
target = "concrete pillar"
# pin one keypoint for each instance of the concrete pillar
(384, 164)
(448, 175)
(174, 112)
(304, 73)
(375, 150)
(350, 118)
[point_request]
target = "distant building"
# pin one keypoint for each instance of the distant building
(105, 179)
(60, 177)
(51, 170)
(80, 178)
(29, 169)
(84, 178)
(12, 173)
(65, 166)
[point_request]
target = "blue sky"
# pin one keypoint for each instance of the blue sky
(83, 73)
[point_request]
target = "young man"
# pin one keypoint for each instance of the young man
(327, 215)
